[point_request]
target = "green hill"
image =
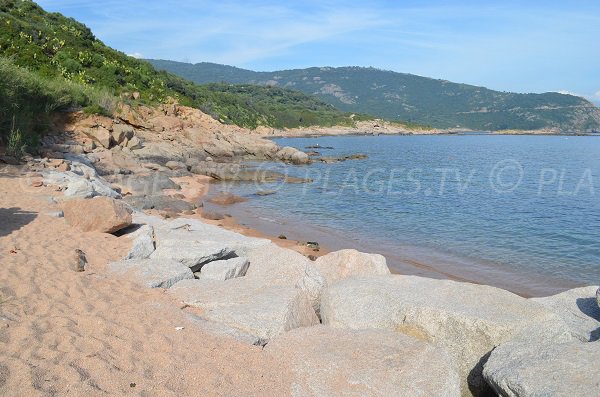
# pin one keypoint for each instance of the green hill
(400, 96)
(50, 62)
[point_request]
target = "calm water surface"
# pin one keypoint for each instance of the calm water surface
(521, 212)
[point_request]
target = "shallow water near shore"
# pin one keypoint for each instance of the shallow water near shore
(518, 212)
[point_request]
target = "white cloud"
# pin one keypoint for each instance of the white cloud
(597, 95)
(136, 55)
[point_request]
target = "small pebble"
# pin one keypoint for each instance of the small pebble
(79, 261)
(56, 214)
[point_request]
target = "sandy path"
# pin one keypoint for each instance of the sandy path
(68, 333)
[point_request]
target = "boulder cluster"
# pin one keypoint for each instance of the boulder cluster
(343, 322)
(346, 325)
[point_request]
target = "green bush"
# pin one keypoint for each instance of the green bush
(64, 53)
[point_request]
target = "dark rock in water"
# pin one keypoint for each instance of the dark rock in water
(319, 147)
(293, 179)
(239, 172)
(282, 237)
(213, 216)
(265, 192)
(159, 202)
(313, 153)
(227, 199)
(330, 160)
(312, 244)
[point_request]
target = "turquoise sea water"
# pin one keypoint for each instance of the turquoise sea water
(522, 212)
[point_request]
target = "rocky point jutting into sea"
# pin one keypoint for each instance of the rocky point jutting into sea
(115, 281)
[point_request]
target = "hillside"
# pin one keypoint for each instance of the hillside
(400, 96)
(50, 62)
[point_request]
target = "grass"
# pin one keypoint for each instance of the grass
(27, 100)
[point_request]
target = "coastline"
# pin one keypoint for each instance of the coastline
(383, 127)
(151, 315)
(405, 260)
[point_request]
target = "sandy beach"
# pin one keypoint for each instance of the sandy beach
(201, 310)
(69, 333)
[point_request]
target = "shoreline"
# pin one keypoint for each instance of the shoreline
(404, 260)
(382, 127)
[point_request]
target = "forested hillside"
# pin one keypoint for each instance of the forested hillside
(49, 62)
(400, 96)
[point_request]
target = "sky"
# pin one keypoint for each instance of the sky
(520, 46)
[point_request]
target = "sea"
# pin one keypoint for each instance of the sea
(517, 212)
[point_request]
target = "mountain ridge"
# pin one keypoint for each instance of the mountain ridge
(51, 62)
(403, 96)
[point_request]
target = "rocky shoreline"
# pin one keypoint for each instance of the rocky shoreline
(342, 323)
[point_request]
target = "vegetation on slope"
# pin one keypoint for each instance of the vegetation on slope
(61, 60)
(400, 96)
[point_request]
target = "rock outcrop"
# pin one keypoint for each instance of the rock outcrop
(248, 305)
(467, 320)
(192, 254)
(518, 369)
(143, 243)
(224, 269)
(99, 214)
(346, 263)
(292, 155)
(578, 308)
(152, 273)
(340, 362)
(273, 265)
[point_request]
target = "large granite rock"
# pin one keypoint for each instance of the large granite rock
(224, 269)
(578, 308)
(152, 273)
(223, 331)
(99, 214)
(150, 184)
(192, 254)
(194, 230)
(247, 305)
(239, 172)
(143, 243)
(340, 362)
(159, 202)
(520, 369)
(346, 263)
(467, 320)
(81, 182)
(101, 135)
(273, 265)
(292, 155)
(79, 189)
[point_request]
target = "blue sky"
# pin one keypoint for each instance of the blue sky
(522, 46)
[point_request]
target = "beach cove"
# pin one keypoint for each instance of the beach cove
(169, 284)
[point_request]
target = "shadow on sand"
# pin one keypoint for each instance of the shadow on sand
(14, 218)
